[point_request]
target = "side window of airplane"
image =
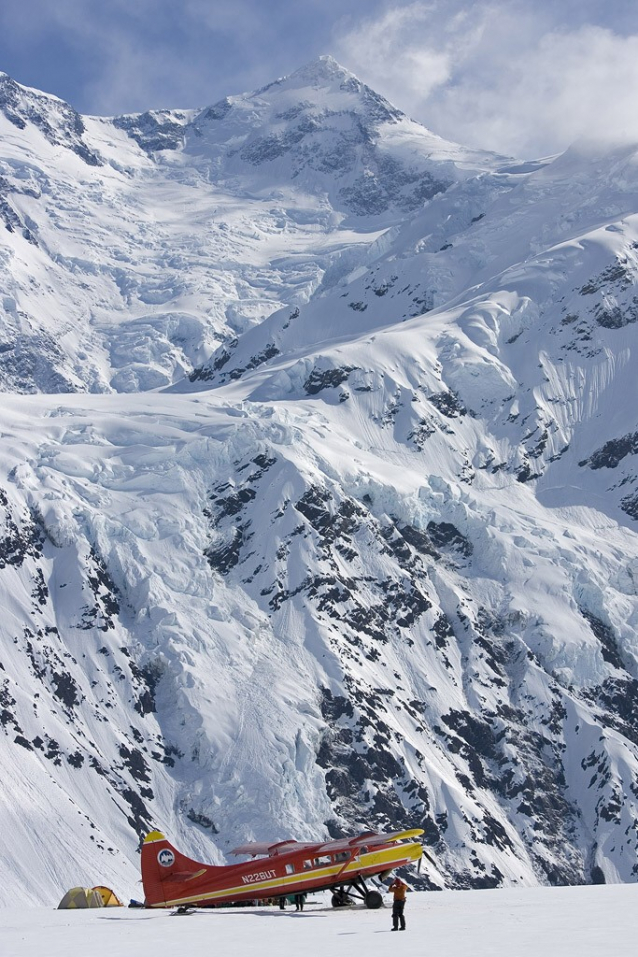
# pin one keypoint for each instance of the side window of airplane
(342, 856)
(323, 860)
(290, 868)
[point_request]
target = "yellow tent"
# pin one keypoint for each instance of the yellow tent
(109, 897)
(80, 897)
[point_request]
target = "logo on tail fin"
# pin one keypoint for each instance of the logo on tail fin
(166, 858)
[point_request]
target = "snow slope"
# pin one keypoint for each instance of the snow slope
(357, 548)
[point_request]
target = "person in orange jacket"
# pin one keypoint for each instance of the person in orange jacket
(399, 889)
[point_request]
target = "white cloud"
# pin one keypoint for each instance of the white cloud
(498, 75)
(385, 48)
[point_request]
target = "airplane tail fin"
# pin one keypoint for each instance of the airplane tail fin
(163, 866)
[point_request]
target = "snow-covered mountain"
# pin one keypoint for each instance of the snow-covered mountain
(357, 547)
(134, 246)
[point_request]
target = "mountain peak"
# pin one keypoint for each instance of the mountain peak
(323, 68)
(322, 73)
(334, 86)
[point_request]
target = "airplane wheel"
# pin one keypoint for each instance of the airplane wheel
(374, 900)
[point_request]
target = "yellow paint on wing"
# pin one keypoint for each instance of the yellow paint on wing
(405, 835)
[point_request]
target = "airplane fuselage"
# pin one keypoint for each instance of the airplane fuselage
(171, 880)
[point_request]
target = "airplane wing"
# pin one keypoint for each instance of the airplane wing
(371, 839)
(258, 849)
(368, 839)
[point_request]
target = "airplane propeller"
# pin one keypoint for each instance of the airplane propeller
(425, 854)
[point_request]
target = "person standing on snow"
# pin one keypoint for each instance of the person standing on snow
(399, 889)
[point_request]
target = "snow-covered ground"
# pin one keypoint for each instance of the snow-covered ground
(529, 922)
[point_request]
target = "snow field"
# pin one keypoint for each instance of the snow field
(551, 922)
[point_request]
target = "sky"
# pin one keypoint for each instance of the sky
(524, 78)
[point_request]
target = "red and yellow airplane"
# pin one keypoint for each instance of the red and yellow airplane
(276, 870)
